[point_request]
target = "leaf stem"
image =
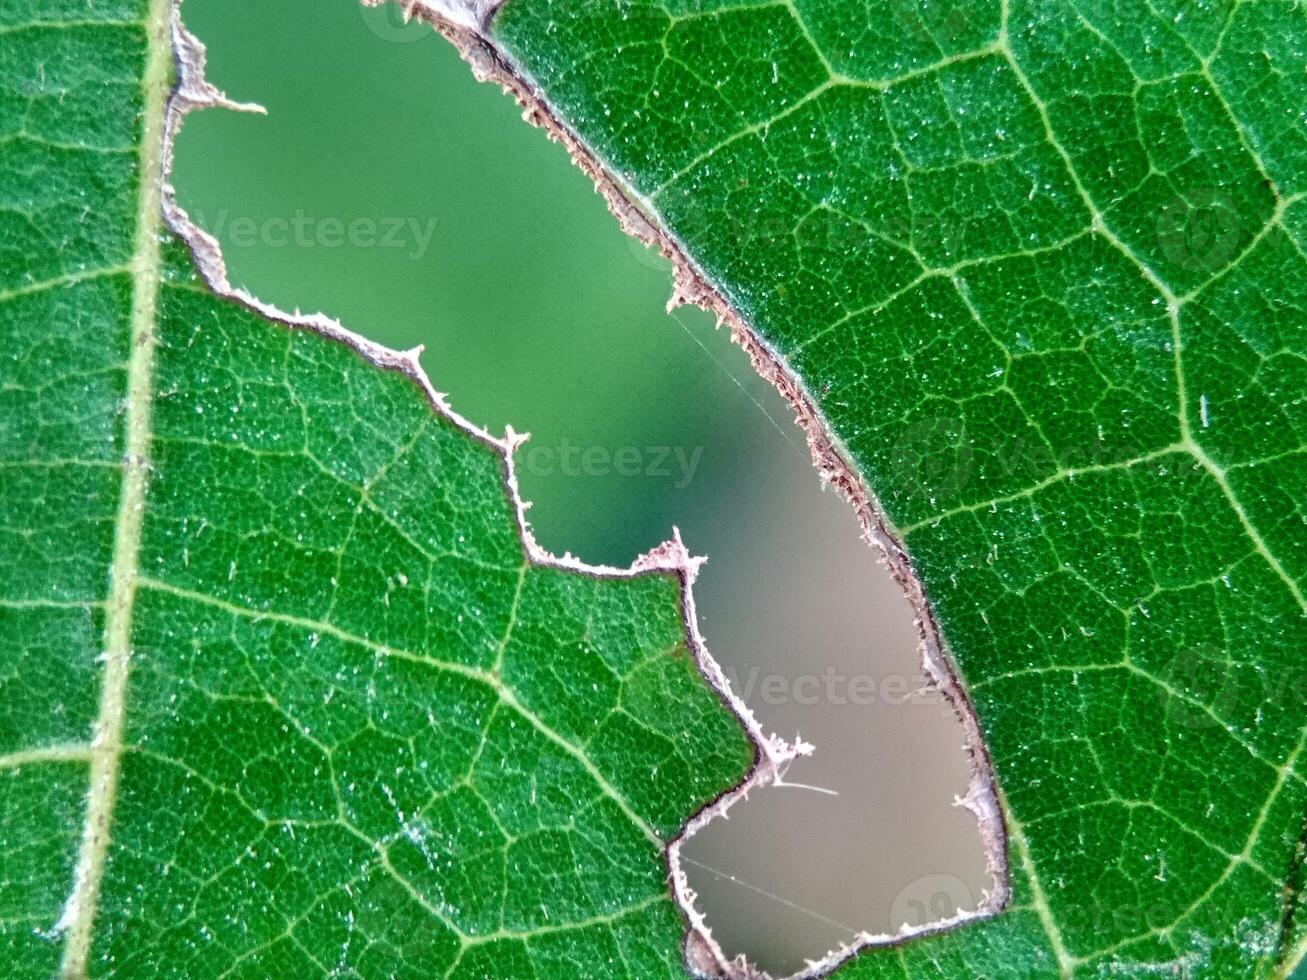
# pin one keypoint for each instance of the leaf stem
(106, 748)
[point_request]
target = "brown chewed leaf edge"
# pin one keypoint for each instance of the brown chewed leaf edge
(287, 685)
(1030, 274)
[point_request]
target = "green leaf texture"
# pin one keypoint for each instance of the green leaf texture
(281, 694)
(1040, 264)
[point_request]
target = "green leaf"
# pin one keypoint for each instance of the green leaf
(286, 689)
(1040, 267)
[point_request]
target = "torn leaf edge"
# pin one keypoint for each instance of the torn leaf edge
(466, 24)
(772, 755)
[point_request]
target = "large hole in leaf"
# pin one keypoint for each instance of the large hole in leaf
(389, 189)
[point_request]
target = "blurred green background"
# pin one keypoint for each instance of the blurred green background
(389, 189)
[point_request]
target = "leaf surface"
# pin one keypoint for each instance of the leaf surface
(285, 690)
(1041, 268)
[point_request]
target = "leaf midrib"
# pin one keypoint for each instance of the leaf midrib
(78, 917)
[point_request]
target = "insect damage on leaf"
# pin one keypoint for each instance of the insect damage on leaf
(1032, 275)
(288, 688)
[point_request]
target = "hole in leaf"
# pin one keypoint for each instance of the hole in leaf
(389, 189)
